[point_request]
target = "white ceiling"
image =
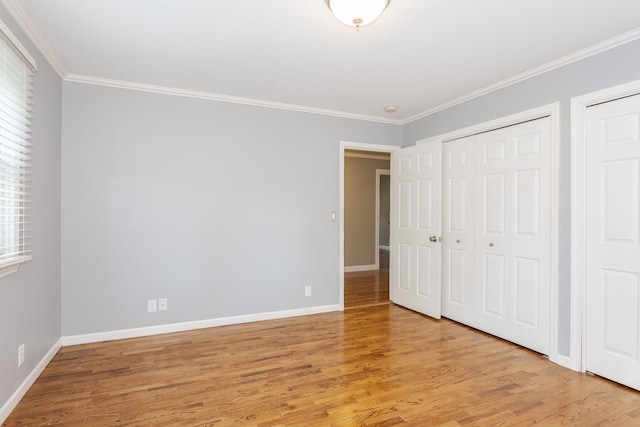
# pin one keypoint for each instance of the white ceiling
(420, 55)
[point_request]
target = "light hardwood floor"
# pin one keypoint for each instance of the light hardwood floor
(376, 366)
(367, 288)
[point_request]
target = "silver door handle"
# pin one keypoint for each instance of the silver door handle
(433, 239)
(491, 244)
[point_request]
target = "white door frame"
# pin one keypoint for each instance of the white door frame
(579, 106)
(362, 146)
(553, 111)
(379, 173)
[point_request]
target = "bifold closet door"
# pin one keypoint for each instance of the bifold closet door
(458, 258)
(512, 233)
(613, 241)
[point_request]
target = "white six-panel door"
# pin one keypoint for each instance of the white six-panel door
(458, 249)
(513, 233)
(416, 225)
(613, 241)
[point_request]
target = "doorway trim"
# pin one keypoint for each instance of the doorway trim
(347, 145)
(579, 107)
(379, 173)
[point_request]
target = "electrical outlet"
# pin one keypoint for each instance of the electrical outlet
(152, 305)
(21, 354)
(307, 291)
(162, 304)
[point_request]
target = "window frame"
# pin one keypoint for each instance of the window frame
(12, 264)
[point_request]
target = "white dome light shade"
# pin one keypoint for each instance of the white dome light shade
(357, 13)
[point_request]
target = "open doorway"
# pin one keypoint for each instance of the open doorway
(365, 211)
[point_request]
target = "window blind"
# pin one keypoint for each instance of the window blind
(15, 108)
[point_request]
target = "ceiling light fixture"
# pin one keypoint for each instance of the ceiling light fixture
(357, 13)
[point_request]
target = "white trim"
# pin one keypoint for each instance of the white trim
(364, 155)
(549, 66)
(552, 110)
(187, 93)
(513, 119)
(379, 173)
(22, 18)
(579, 106)
(346, 145)
(357, 268)
(197, 324)
(565, 361)
(16, 43)
(13, 266)
(17, 395)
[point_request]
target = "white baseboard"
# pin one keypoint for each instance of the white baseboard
(384, 248)
(17, 395)
(356, 268)
(567, 362)
(187, 326)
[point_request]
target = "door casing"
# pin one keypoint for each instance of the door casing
(579, 105)
(348, 145)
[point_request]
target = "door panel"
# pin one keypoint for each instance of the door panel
(527, 204)
(425, 205)
(493, 204)
(425, 283)
(527, 288)
(416, 215)
(493, 288)
(613, 249)
(458, 230)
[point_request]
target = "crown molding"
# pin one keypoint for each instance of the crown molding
(22, 18)
(77, 78)
(549, 66)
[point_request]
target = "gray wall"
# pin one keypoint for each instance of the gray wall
(610, 68)
(30, 298)
(360, 210)
(222, 208)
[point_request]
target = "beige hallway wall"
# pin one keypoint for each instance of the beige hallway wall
(359, 209)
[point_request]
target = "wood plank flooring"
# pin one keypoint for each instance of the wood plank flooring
(376, 366)
(367, 288)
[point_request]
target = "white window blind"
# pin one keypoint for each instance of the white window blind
(15, 107)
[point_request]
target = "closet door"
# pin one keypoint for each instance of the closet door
(613, 241)
(513, 243)
(458, 230)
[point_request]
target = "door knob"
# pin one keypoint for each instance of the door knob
(433, 239)
(491, 244)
